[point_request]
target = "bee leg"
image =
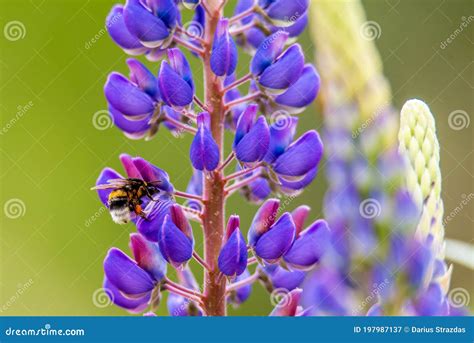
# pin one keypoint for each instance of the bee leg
(139, 211)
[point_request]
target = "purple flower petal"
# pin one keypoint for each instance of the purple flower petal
(129, 126)
(105, 175)
(285, 71)
(277, 240)
(297, 28)
(282, 278)
(179, 306)
(255, 37)
(152, 174)
(232, 224)
(166, 10)
(148, 256)
(301, 156)
(204, 152)
(254, 145)
(174, 90)
(241, 294)
(285, 13)
(181, 66)
(140, 75)
(432, 302)
(125, 274)
(299, 216)
(268, 51)
(176, 247)
(126, 97)
(259, 190)
(245, 122)
(296, 183)
(133, 305)
(309, 247)
(282, 132)
(233, 256)
(118, 31)
(130, 168)
(302, 92)
(156, 212)
(224, 52)
(148, 28)
(263, 219)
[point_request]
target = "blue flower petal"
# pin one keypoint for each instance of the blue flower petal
(174, 90)
(148, 256)
(301, 156)
(118, 31)
(125, 274)
(267, 52)
(302, 92)
(176, 247)
(148, 28)
(285, 13)
(281, 135)
(254, 145)
(224, 52)
(233, 256)
(204, 152)
(126, 97)
(285, 71)
(156, 212)
(140, 75)
(138, 127)
(277, 240)
(133, 305)
(309, 246)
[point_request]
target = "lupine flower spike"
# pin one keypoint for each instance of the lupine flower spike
(267, 160)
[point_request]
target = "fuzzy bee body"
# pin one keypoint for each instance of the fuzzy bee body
(125, 199)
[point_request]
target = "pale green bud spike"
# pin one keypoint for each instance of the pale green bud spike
(419, 145)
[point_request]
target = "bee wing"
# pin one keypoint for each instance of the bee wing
(112, 183)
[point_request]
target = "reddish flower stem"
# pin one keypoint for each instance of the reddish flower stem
(200, 260)
(243, 14)
(227, 161)
(247, 281)
(187, 195)
(181, 125)
(177, 291)
(236, 186)
(188, 45)
(238, 82)
(214, 301)
(241, 172)
(242, 100)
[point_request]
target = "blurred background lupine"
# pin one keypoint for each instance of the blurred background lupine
(379, 242)
(383, 203)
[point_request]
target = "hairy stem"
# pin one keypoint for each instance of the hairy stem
(213, 188)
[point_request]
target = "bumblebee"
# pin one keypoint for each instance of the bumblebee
(126, 196)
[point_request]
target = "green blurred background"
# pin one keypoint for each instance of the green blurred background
(51, 153)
